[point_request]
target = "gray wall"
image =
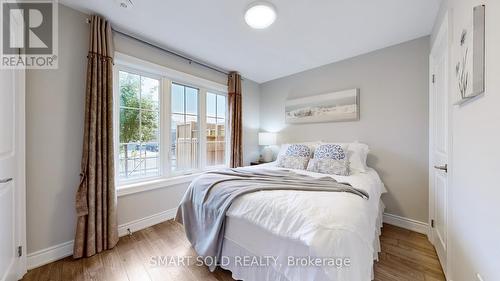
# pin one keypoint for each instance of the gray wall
(474, 192)
(393, 86)
(54, 116)
(54, 124)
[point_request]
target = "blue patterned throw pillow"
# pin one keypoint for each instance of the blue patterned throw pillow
(329, 166)
(330, 159)
(298, 150)
(293, 162)
(296, 157)
(330, 151)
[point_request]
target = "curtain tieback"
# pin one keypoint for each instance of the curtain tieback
(101, 57)
(82, 208)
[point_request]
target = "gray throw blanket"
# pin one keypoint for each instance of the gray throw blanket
(203, 208)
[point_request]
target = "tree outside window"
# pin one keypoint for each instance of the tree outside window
(139, 125)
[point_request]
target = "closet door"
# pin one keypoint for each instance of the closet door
(12, 183)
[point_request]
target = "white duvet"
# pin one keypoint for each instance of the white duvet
(330, 224)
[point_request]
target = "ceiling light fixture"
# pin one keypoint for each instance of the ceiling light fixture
(260, 15)
(125, 4)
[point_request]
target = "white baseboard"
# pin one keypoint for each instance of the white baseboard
(57, 252)
(406, 223)
(49, 254)
(146, 222)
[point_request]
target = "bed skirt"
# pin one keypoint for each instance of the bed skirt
(265, 242)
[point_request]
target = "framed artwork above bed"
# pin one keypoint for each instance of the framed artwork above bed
(330, 107)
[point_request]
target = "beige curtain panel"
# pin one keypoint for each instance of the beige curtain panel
(235, 122)
(96, 228)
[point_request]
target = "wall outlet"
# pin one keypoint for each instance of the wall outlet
(478, 277)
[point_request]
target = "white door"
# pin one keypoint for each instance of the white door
(439, 145)
(12, 191)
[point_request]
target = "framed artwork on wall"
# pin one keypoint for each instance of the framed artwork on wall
(470, 64)
(331, 107)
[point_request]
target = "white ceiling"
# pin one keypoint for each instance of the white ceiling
(306, 34)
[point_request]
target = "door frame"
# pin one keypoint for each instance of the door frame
(441, 39)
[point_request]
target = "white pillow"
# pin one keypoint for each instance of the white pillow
(357, 156)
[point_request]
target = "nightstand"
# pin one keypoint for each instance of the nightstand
(258, 162)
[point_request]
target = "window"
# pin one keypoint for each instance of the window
(139, 126)
(216, 129)
(184, 129)
(168, 123)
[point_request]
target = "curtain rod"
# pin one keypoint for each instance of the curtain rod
(190, 60)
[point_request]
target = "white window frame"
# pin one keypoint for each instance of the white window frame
(166, 76)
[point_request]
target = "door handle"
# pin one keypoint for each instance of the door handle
(442, 168)
(5, 180)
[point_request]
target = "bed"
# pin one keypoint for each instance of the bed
(341, 228)
(302, 235)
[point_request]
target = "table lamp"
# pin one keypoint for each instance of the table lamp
(267, 139)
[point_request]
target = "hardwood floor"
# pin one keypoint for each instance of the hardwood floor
(406, 256)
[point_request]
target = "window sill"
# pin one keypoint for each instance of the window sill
(132, 188)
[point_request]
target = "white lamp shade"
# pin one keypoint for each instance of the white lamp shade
(267, 138)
